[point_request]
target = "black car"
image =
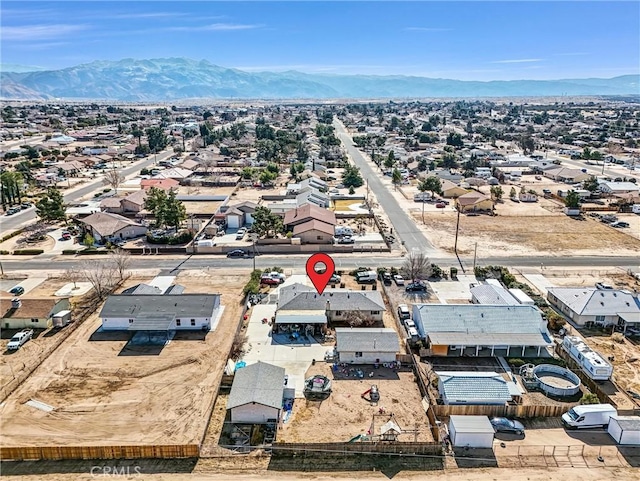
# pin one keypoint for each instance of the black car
(237, 253)
(386, 278)
(416, 287)
(504, 425)
(17, 290)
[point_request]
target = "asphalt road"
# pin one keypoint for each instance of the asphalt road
(9, 223)
(403, 226)
(297, 262)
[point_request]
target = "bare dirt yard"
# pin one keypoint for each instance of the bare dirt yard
(104, 391)
(345, 414)
(526, 235)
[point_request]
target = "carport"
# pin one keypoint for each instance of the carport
(300, 322)
(153, 324)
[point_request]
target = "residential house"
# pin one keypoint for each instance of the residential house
(592, 306)
(162, 313)
(257, 394)
(473, 387)
(527, 197)
(300, 304)
(104, 226)
(314, 232)
(482, 330)
(31, 312)
(238, 215)
(310, 195)
(474, 201)
(566, 174)
(613, 188)
(175, 173)
(131, 203)
(312, 182)
(451, 190)
(70, 169)
(308, 212)
(164, 184)
(367, 345)
(492, 295)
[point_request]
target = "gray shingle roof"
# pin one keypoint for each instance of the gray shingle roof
(259, 383)
(589, 301)
(298, 297)
(473, 386)
(488, 294)
(366, 339)
(140, 289)
(479, 324)
(183, 305)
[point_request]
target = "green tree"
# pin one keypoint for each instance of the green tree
(512, 193)
(88, 240)
(596, 155)
(247, 173)
(351, 177)
(591, 184)
(449, 160)
(156, 202)
(455, 140)
(207, 115)
(51, 206)
(589, 398)
(431, 184)
(496, 192)
(586, 153)
(204, 133)
(527, 144)
(266, 223)
(157, 139)
(390, 161)
(572, 200)
(266, 177)
(137, 134)
(396, 178)
(174, 212)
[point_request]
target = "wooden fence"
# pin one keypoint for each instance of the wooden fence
(291, 449)
(25, 453)
(518, 411)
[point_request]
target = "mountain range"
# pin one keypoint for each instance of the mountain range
(168, 79)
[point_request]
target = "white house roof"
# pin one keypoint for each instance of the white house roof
(366, 339)
(589, 301)
(471, 424)
(259, 383)
(471, 386)
(479, 324)
(300, 297)
(488, 294)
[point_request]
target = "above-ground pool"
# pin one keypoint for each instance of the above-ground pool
(556, 380)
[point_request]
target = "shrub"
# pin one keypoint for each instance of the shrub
(617, 337)
(69, 252)
(92, 251)
(12, 234)
(516, 362)
(5, 252)
(27, 252)
(589, 398)
(181, 238)
(435, 381)
(555, 320)
(106, 189)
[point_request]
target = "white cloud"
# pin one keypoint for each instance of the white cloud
(39, 32)
(520, 60)
(215, 27)
(426, 29)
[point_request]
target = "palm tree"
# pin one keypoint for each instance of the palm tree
(137, 133)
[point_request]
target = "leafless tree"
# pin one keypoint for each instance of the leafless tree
(208, 165)
(101, 274)
(416, 266)
(121, 260)
(113, 178)
(73, 274)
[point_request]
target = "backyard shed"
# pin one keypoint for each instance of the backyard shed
(256, 394)
(367, 345)
(625, 429)
(471, 431)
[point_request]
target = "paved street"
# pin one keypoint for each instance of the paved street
(403, 226)
(9, 223)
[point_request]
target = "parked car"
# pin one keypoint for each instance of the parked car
(409, 324)
(19, 339)
(271, 281)
(66, 236)
(619, 224)
(504, 425)
(240, 234)
(345, 240)
(440, 205)
(17, 290)
(416, 287)
(398, 279)
(26, 205)
(404, 312)
(238, 253)
(334, 279)
(386, 278)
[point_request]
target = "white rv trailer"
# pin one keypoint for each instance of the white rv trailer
(592, 363)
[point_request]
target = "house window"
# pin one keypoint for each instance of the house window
(599, 318)
(338, 313)
(193, 322)
(130, 321)
(34, 320)
(319, 237)
(375, 313)
(358, 354)
(177, 322)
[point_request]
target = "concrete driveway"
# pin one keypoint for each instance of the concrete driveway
(30, 284)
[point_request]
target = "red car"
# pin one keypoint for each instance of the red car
(66, 236)
(440, 205)
(271, 281)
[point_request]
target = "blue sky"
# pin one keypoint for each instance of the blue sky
(461, 40)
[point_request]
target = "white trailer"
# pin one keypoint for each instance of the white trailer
(61, 318)
(625, 429)
(591, 362)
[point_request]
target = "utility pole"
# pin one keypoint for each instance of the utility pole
(455, 244)
(475, 253)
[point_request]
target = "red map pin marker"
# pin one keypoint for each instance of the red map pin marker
(320, 280)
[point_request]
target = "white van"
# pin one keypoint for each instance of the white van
(342, 230)
(588, 416)
(366, 276)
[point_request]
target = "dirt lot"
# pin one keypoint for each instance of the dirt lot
(105, 393)
(553, 234)
(345, 414)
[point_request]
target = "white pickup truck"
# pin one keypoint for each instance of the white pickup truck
(19, 339)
